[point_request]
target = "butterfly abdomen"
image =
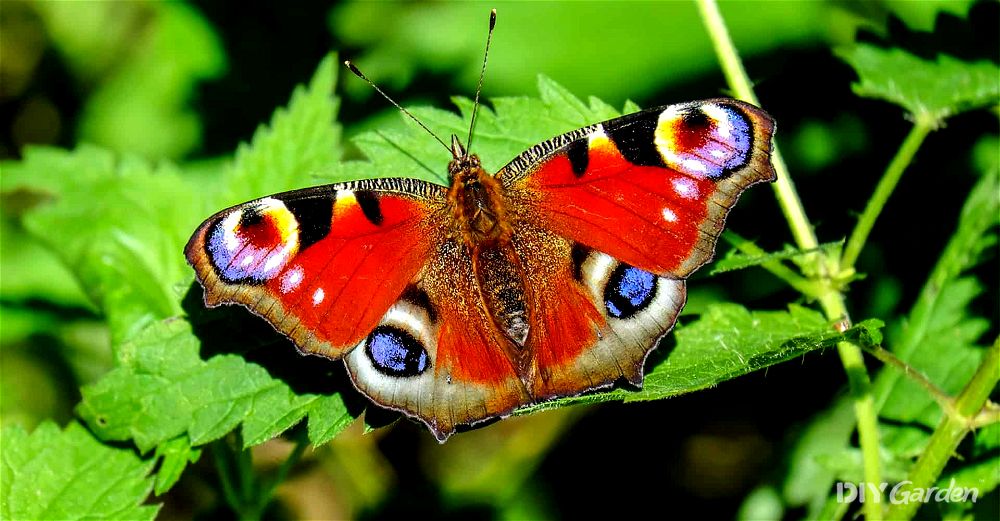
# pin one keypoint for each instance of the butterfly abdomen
(502, 289)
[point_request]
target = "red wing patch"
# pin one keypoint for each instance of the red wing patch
(323, 264)
(651, 189)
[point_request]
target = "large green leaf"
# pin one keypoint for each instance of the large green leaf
(165, 390)
(927, 89)
(119, 226)
(68, 474)
(729, 341)
(941, 337)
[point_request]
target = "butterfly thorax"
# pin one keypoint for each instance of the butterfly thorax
(477, 203)
(482, 222)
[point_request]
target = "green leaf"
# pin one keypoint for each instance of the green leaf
(927, 89)
(726, 342)
(331, 418)
(29, 270)
(986, 439)
(807, 482)
(941, 337)
(300, 141)
(68, 474)
(982, 475)
(730, 341)
(514, 125)
(735, 260)
(119, 226)
(847, 465)
(165, 390)
(760, 504)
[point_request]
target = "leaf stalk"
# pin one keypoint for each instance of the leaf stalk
(886, 185)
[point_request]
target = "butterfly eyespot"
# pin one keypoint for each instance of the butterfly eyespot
(629, 290)
(253, 243)
(395, 352)
(707, 140)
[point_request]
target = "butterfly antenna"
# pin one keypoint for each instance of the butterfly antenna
(482, 73)
(359, 74)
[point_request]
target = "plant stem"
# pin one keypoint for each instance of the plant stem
(803, 285)
(831, 299)
(301, 442)
(886, 185)
(222, 455)
(942, 398)
(736, 77)
(950, 432)
(859, 384)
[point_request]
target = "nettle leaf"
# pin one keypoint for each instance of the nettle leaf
(68, 474)
(736, 260)
(30, 270)
(941, 337)
(927, 89)
(725, 342)
(166, 391)
(299, 143)
(730, 341)
(807, 482)
(514, 125)
(119, 226)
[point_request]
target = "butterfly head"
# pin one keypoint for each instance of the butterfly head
(463, 163)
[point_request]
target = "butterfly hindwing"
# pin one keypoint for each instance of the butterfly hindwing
(463, 371)
(322, 264)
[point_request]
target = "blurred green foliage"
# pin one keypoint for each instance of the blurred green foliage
(147, 104)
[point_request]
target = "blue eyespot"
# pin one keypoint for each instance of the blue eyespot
(629, 290)
(395, 352)
(711, 140)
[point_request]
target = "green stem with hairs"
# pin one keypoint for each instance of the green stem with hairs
(886, 185)
(831, 300)
(949, 433)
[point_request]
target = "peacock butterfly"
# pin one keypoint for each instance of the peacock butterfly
(555, 276)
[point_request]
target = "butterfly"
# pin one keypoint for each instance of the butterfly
(457, 304)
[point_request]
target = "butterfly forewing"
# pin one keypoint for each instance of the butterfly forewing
(323, 264)
(652, 188)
